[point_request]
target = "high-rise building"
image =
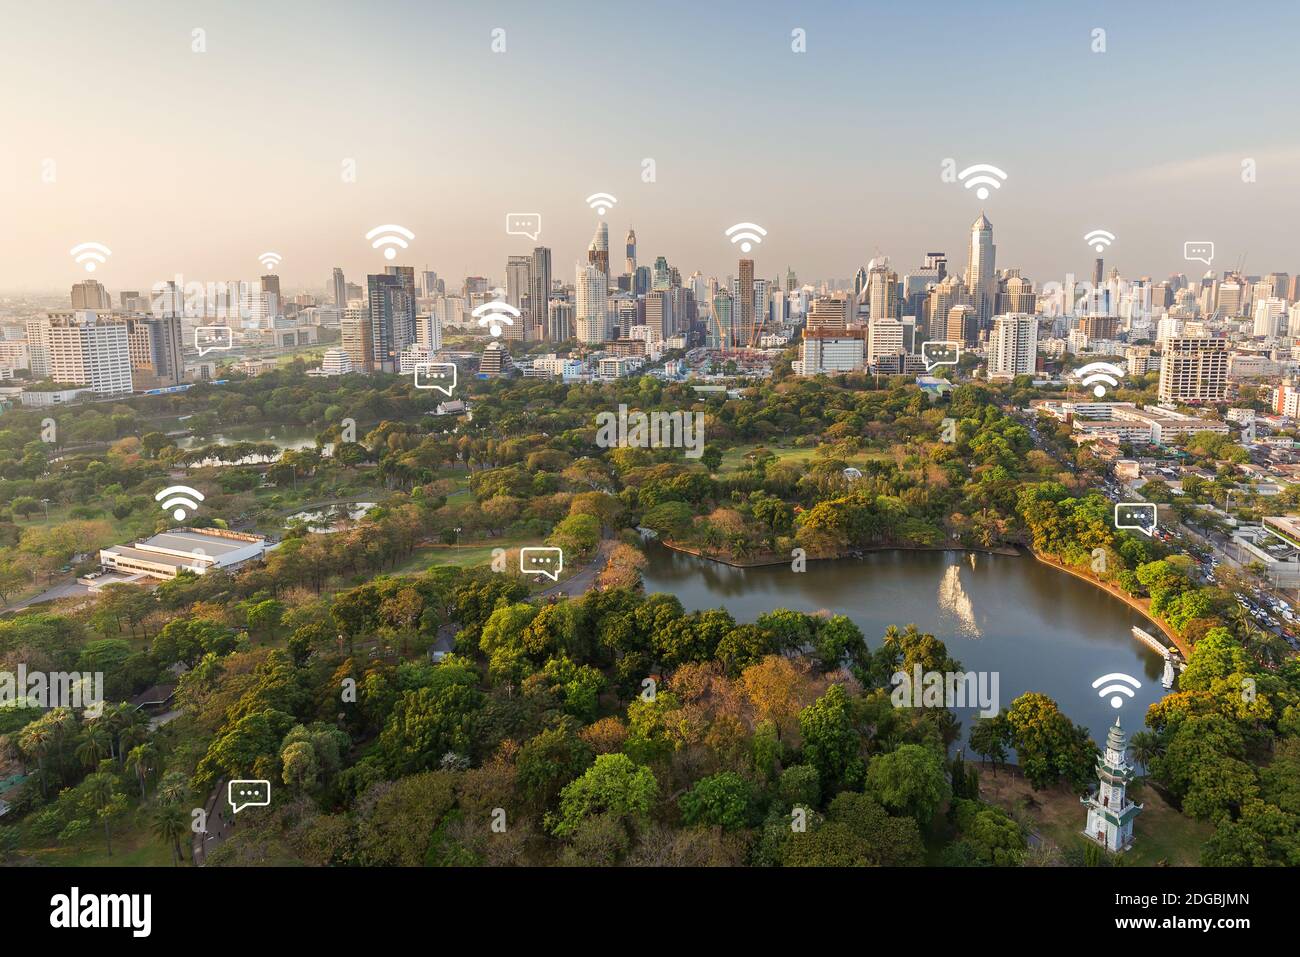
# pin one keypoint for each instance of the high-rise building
(962, 325)
(340, 289)
(428, 331)
(747, 331)
(826, 352)
(431, 284)
(598, 251)
(271, 284)
(884, 340)
(495, 360)
(1013, 346)
(881, 289)
(980, 281)
(392, 316)
(662, 277)
(90, 294)
(1017, 294)
(357, 340)
(518, 294)
(1194, 369)
(91, 350)
(1269, 315)
(154, 345)
(539, 294)
(591, 292)
(718, 329)
(38, 346)
(659, 314)
(629, 264)
(1232, 297)
(948, 293)
(560, 320)
(828, 314)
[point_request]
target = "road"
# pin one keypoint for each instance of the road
(584, 580)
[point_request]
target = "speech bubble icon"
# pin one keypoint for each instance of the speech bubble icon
(524, 224)
(436, 375)
(1136, 515)
(541, 560)
(248, 793)
(940, 352)
(1199, 252)
(212, 338)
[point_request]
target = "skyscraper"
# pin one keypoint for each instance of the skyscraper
(340, 289)
(1194, 369)
(539, 294)
(662, 278)
(90, 294)
(88, 350)
(598, 251)
(518, 271)
(980, 281)
(743, 308)
(629, 265)
(591, 290)
(1013, 346)
(392, 316)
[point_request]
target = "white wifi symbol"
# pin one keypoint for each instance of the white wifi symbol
(390, 236)
(269, 260)
(1120, 686)
(182, 497)
(748, 235)
(1099, 239)
(88, 254)
(982, 175)
(601, 202)
(1099, 373)
(495, 314)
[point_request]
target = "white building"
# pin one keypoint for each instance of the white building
(1110, 812)
(1013, 346)
(91, 350)
(1268, 317)
(335, 362)
(826, 352)
(591, 289)
(196, 550)
(884, 338)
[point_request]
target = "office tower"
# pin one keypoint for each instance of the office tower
(560, 320)
(1098, 272)
(518, 286)
(271, 284)
(1194, 369)
(621, 308)
(881, 289)
(962, 325)
(824, 351)
(539, 294)
(357, 339)
(428, 331)
(659, 314)
(918, 283)
(746, 329)
(90, 294)
(762, 307)
(949, 292)
(91, 351)
(340, 289)
(791, 280)
(828, 314)
(1013, 346)
(641, 281)
(598, 251)
(980, 280)
(629, 264)
(1293, 290)
(860, 280)
(662, 277)
(38, 346)
(127, 300)
(719, 335)
(430, 283)
(476, 286)
(780, 308)
(1268, 317)
(1017, 294)
(391, 303)
(1231, 298)
(591, 290)
(884, 339)
(155, 347)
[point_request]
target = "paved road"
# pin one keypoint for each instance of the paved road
(68, 589)
(584, 580)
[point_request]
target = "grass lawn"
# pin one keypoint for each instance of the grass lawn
(734, 458)
(134, 845)
(1161, 834)
(464, 556)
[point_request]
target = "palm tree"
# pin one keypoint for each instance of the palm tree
(169, 825)
(173, 787)
(134, 734)
(1146, 746)
(140, 759)
(96, 742)
(103, 790)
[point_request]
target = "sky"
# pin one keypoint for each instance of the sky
(116, 130)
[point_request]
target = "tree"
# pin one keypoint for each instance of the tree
(910, 780)
(723, 800)
(830, 741)
(107, 801)
(427, 723)
(1049, 746)
(170, 824)
(990, 737)
(857, 832)
(613, 786)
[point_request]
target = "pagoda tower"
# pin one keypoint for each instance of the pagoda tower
(1110, 812)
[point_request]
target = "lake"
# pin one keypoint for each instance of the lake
(1040, 629)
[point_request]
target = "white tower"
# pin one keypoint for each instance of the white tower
(1110, 812)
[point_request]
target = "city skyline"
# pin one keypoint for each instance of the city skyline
(251, 154)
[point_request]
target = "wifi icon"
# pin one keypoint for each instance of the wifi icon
(748, 235)
(269, 260)
(601, 202)
(1100, 374)
(1099, 239)
(89, 254)
(390, 236)
(982, 176)
(496, 314)
(184, 498)
(1120, 684)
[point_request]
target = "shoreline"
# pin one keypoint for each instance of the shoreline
(1133, 603)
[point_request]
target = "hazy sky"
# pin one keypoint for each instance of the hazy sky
(197, 162)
